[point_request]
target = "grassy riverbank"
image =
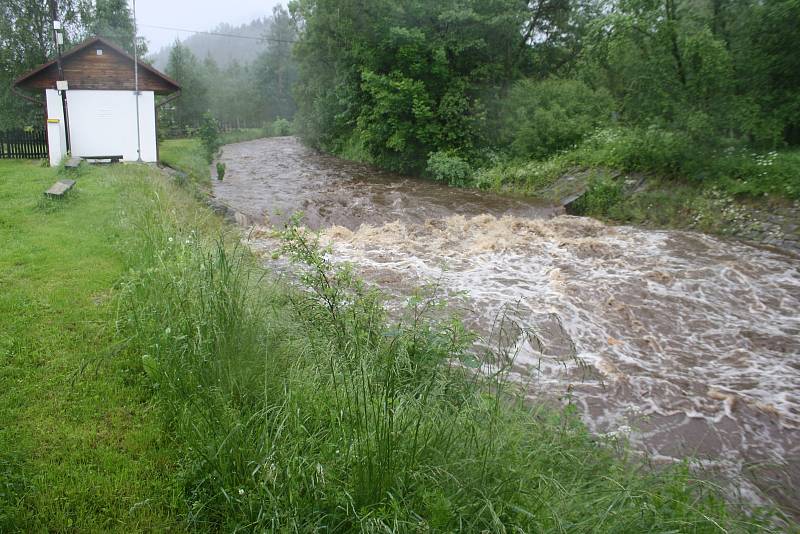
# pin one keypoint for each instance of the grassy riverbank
(154, 376)
(637, 177)
(187, 154)
(335, 417)
(645, 178)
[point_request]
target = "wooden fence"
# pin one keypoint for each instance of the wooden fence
(23, 144)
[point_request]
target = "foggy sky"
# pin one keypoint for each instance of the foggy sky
(194, 15)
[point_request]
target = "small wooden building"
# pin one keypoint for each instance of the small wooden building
(92, 105)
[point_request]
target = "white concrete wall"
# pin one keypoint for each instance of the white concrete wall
(103, 123)
(56, 131)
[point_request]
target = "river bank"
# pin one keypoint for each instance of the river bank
(737, 194)
(155, 377)
(652, 202)
(642, 369)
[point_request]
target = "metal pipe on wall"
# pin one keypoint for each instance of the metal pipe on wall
(136, 84)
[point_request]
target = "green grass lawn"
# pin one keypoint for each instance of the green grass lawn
(80, 446)
(187, 155)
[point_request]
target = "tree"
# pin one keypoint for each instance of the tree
(113, 20)
(26, 40)
(542, 117)
(186, 70)
(241, 96)
(406, 78)
(275, 71)
(769, 66)
(666, 67)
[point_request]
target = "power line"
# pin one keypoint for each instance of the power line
(261, 39)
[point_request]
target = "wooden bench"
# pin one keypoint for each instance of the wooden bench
(97, 159)
(59, 188)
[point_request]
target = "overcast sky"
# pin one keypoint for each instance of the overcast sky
(194, 15)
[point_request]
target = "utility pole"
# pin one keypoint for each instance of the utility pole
(136, 84)
(56, 27)
(58, 40)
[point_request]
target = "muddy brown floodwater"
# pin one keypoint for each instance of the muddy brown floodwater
(687, 344)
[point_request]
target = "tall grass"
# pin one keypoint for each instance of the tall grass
(307, 408)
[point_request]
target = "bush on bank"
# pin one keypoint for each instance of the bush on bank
(541, 118)
(307, 407)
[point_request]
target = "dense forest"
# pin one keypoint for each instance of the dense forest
(471, 92)
(449, 88)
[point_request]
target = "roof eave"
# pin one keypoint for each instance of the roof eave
(85, 44)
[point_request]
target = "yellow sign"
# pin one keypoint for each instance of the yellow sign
(53, 121)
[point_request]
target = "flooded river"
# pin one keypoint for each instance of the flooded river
(688, 344)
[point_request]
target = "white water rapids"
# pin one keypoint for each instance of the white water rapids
(688, 343)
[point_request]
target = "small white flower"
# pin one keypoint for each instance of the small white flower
(170, 240)
(241, 491)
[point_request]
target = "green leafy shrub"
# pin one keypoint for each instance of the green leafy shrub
(639, 149)
(600, 197)
(281, 127)
(220, 171)
(449, 167)
(754, 174)
(543, 117)
(406, 120)
(209, 135)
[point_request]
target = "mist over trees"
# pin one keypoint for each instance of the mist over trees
(237, 93)
(223, 49)
(184, 67)
(275, 71)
